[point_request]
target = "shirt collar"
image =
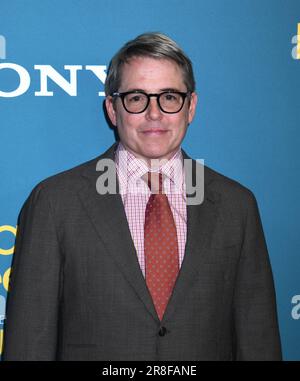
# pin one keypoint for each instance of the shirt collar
(130, 169)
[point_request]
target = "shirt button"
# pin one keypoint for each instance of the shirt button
(162, 331)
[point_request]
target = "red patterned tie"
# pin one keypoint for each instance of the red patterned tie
(161, 248)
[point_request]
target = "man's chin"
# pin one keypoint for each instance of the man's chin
(152, 153)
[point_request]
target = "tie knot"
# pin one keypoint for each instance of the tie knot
(154, 181)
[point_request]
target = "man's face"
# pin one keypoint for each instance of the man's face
(151, 134)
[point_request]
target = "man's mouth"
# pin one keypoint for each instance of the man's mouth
(154, 131)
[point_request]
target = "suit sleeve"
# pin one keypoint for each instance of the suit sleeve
(255, 316)
(31, 325)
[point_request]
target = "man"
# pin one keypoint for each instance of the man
(147, 274)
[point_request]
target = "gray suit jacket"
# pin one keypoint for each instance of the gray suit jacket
(77, 291)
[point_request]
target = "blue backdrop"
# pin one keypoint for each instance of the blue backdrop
(247, 123)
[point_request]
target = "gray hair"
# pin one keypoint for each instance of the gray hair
(154, 45)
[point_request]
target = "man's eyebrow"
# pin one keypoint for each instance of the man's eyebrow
(170, 89)
(160, 91)
(131, 90)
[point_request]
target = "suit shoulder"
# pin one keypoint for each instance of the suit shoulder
(69, 177)
(73, 177)
(223, 186)
(228, 188)
(63, 184)
(237, 201)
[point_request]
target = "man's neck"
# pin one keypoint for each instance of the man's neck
(153, 164)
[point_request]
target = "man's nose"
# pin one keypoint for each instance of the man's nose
(153, 110)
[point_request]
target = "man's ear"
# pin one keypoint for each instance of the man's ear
(192, 106)
(110, 108)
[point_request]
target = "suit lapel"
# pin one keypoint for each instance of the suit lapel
(109, 220)
(201, 221)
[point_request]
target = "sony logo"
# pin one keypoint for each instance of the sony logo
(47, 72)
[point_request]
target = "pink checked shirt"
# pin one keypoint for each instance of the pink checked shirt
(135, 194)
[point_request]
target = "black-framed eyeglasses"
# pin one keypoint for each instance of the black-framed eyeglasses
(136, 102)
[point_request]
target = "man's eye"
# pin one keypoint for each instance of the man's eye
(135, 98)
(171, 97)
